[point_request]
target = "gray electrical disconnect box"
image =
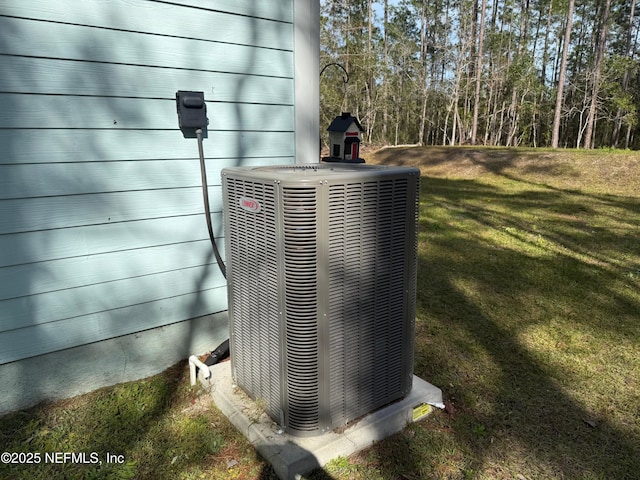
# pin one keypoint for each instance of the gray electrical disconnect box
(192, 112)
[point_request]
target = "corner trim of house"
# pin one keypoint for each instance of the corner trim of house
(307, 83)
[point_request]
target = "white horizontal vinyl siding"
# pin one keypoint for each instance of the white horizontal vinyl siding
(101, 226)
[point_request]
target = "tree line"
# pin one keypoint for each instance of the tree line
(486, 72)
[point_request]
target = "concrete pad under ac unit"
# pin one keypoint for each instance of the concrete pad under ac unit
(291, 456)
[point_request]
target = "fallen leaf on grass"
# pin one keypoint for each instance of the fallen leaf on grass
(448, 407)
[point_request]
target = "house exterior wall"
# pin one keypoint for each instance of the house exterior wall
(103, 242)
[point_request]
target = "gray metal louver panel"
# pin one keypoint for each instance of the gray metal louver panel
(253, 292)
(299, 212)
(368, 262)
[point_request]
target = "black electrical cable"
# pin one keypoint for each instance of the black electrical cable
(207, 211)
(222, 350)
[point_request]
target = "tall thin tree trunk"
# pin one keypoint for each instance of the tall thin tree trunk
(597, 72)
(489, 122)
(347, 34)
(369, 81)
(513, 119)
(385, 66)
(534, 123)
(625, 78)
(445, 136)
(561, 76)
(545, 48)
(454, 104)
(423, 72)
(476, 99)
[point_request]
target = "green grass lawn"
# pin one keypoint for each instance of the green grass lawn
(528, 319)
(528, 314)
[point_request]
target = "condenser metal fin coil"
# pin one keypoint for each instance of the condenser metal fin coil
(321, 263)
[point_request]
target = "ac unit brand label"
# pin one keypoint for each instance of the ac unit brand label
(249, 204)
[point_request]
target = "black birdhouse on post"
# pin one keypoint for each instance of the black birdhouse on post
(345, 135)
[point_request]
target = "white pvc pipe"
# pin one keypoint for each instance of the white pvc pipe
(193, 363)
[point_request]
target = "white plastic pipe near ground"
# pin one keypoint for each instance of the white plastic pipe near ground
(193, 363)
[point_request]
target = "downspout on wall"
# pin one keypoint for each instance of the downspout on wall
(306, 82)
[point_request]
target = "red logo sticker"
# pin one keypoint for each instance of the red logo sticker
(249, 204)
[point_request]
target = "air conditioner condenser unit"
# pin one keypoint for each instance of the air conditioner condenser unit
(321, 272)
